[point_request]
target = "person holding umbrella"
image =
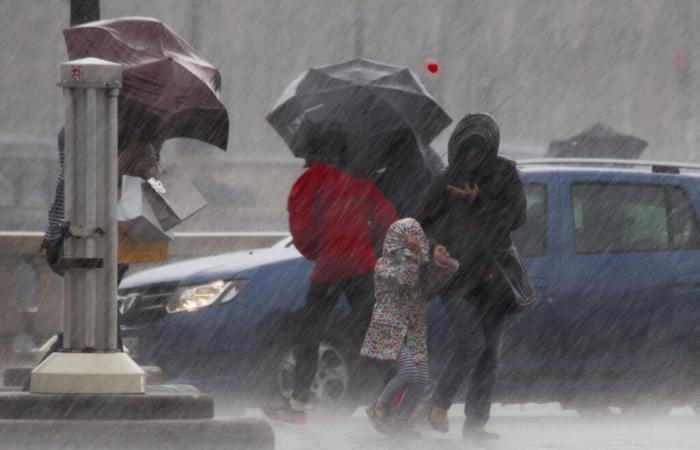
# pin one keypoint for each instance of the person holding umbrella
(334, 218)
(138, 156)
(168, 91)
(471, 208)
(336, 212)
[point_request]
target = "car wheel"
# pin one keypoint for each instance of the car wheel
(331, 388)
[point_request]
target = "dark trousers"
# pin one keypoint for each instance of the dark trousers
(475, 337)
(320, 302)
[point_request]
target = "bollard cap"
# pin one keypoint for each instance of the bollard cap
(91, 72)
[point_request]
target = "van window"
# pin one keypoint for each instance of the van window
(632, 218)
(530, 238)
(682, 220)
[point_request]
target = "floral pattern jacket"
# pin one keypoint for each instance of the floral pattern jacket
(404, 282)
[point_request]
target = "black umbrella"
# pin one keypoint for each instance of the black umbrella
(359, 98)
(599, 141)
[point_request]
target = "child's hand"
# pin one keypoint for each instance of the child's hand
(441, 256)
(413, 244)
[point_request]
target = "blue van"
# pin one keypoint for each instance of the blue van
(613, 248)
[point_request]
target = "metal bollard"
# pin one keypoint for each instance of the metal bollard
(90, 89)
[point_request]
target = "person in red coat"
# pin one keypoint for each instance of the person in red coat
(334, 219)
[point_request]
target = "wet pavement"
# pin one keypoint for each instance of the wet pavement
(521, 428)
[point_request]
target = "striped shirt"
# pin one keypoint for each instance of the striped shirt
(54, 229)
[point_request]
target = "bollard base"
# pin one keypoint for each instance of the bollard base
(213, 434)
(15, 377)
(171, 417)
(88, 373)
(164, 402)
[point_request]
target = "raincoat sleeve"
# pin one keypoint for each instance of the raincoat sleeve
(432, 205)
(382, 215)
(304, 218)
(400, 270)
(508, 209)
(437, 277)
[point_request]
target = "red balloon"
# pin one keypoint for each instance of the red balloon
(432, 67)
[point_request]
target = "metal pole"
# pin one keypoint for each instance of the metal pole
(106, 301)
(89, 363)
(82, 11)
(69, 144)
(359, 25)
(89, 175)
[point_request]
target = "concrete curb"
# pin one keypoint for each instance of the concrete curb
(160, 402)
(213, 434)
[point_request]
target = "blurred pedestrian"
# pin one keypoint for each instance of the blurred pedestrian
(408, 273)
(333, 218)
(471, 208)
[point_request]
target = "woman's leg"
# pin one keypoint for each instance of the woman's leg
(320, 301)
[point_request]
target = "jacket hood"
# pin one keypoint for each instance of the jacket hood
(473, 126)
(395, 239)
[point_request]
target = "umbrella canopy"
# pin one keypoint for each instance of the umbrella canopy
(599, 141)
(165, 83)
(358, 97)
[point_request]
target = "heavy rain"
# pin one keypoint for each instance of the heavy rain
(349, 224)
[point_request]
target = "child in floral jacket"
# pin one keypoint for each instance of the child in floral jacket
(408, 273)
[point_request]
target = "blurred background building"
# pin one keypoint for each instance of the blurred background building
(546, 70)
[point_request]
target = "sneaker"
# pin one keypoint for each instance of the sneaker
(478, 434)
(283, 412)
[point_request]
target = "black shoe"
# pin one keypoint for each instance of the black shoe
(478, 434)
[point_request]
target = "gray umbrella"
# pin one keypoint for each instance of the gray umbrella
(358, 97)
(599, 141)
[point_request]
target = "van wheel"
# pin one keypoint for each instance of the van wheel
(331, 388)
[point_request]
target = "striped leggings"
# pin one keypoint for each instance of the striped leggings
(412, 378)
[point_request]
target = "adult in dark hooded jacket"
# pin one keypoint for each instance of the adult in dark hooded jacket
(471, 208)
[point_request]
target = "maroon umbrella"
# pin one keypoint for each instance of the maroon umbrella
(165, 83)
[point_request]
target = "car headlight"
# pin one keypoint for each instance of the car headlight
(193, 298)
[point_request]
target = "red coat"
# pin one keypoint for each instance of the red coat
(334, 218)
